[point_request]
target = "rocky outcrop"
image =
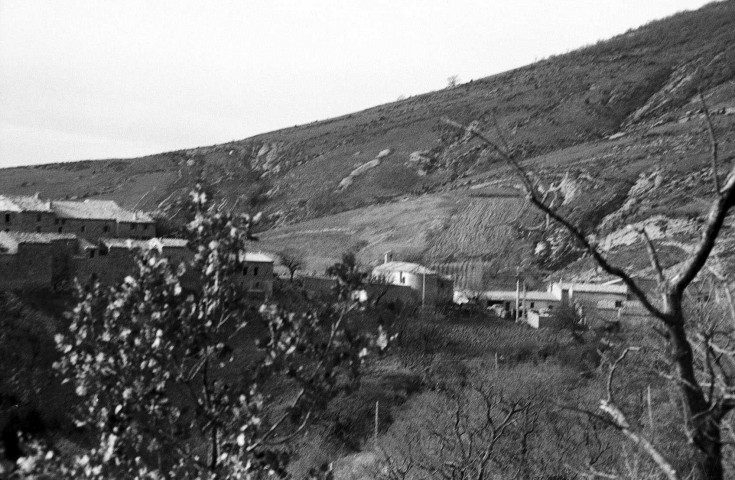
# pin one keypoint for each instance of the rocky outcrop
(360, 169)
(268, 156)
(683, 83)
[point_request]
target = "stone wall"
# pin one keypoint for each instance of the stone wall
(86, 228)
(257, 279)
(27, 222)
(30, 267)
(393, 293)
(136, 230)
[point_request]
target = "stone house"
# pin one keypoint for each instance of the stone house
(93, 219)
(90, 219)
(112, 259)
(257, 275)
(30, 259)
(25, 214)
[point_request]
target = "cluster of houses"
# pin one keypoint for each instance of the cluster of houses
(540, 308)
(392, 280)
(43, 242)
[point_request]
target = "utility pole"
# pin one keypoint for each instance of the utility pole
(518, 291)
(377, 408)
(423, 290)
(523, 303)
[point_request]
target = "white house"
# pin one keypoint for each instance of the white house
(431, 287)
(505, 301)
(601, 296)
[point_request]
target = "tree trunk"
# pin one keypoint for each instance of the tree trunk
(708, 442)
(705, 426)
(215, 450)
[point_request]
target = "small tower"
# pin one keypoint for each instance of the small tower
(388, 256)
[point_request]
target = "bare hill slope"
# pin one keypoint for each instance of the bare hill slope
(597, 122)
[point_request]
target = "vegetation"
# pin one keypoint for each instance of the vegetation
(292, 260)
(707, 400)
(608, 132)
(168, 384)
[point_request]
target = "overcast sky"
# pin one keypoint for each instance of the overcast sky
(109, 79)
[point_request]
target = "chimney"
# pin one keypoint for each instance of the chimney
(388, 256)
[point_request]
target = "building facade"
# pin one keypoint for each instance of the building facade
(90, 219)
(430, 287)
(257, 275)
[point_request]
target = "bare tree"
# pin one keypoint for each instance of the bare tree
(706, 407)
(474, 432)
(292, 259)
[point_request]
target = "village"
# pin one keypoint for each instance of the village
(45, 242)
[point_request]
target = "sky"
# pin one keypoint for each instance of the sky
(92, 79)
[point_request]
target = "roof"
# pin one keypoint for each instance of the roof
(9, 241)
(23, 203)
(593, 288)
(533, 296)
(97, 210)
(130, 243)
(406, 267)
(85, 244)
(257, 258)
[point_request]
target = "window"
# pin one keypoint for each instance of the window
(132, 226)
(91, 254)
(402, 278)
(106, 228)
(618, 303)
(60, 229)
(7, 218)
(245, 270)
(257, 284)
(82, 228)
(255, 271)
(38, 217)
(531, 305)
(145, 226)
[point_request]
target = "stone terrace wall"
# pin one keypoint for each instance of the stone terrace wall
(31, 267)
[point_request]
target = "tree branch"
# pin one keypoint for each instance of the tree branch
(713, 143)
(534, 197)
(653, 254)
(621, 423)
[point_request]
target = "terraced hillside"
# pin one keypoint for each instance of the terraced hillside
(614, 130)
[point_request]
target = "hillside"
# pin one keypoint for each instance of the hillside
(616, 127)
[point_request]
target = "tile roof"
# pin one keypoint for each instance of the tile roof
(9, 241)
(533, 296)
(593, 288)
(97, 210)
(85, 244)
(406, 267)
(130, 243)
(23, 203)
(257, 258)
